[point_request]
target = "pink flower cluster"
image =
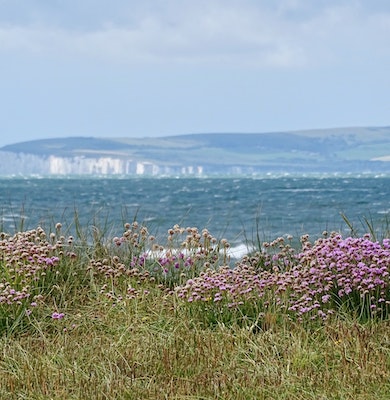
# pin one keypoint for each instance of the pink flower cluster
(10, 296)
(57, 315)
(324, 277)
(167, 267)
(26, 258)
(188, 251)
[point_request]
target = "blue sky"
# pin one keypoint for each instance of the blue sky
(155, 68)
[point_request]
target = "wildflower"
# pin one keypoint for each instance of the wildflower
(325, 298)
(57, 315)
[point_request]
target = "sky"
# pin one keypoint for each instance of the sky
(128, 68)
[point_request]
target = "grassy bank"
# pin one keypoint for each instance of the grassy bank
(91, 317)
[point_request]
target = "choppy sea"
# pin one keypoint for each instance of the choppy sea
(238, 209)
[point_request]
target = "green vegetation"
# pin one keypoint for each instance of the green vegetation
(93, 317)
(327, 150)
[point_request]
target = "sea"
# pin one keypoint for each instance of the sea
(243, 210)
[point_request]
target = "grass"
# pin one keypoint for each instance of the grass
(109, 323)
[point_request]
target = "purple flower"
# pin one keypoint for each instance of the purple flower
(57, 315)
(325, 298)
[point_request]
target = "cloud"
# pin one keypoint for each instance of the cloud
(290, 33)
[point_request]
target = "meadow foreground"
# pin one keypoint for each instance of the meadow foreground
(93, 317)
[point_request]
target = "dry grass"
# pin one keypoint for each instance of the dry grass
(149, 348)
(156, 346)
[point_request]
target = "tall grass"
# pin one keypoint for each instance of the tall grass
(94, 317)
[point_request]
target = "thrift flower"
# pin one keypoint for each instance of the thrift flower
(57, 315)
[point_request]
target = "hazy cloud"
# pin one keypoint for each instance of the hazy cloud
(289, 33)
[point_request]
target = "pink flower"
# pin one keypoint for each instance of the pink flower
(57, 315)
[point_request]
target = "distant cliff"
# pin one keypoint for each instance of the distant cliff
(29, 164)
(355, 150)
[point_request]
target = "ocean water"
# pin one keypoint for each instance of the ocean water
(235, 208)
